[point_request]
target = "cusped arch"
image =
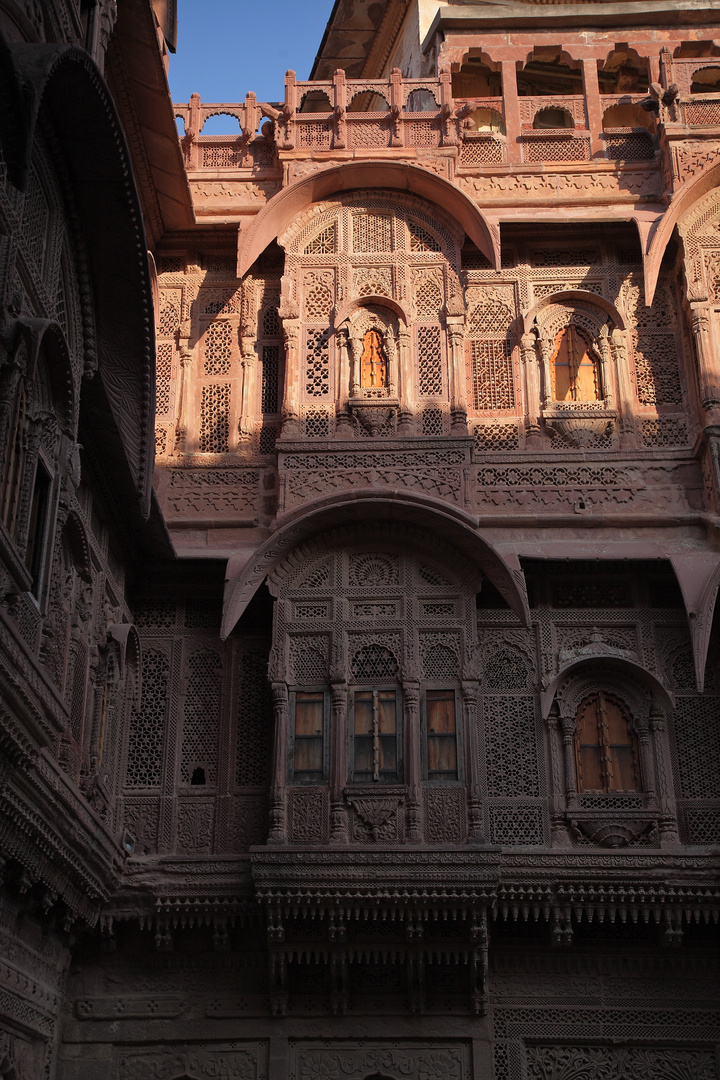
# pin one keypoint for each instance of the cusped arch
(628, 678)
(248, 569)
(61, 82)
(574, 296)
(277, 214)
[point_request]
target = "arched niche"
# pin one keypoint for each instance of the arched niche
(633, 803)
(553, 118)
(578, 341)
(623, 71)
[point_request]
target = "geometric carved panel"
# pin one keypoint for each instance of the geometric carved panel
(357, 1061)
(233, 1061)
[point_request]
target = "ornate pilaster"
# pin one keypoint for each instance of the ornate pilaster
(618, 350)
(668, 821)
(185, 355)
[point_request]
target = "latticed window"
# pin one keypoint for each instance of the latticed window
(376, 733)
(309, 735)
(492, 376)
(575, 371)
(317, 364)
(147, 726)
(372, 232)
(215, 418)
(430, 365)
(441, 752)
(606, 756)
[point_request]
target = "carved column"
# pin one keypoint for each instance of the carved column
(647, 769)
(558, 824)
(185, 356)
(355, 354)
(531, 370)
(708, 366)
(248, 357)
(618, 348)
(661, 748)
(339, 107)
(545, 348)
(338, 765)
(411, 700)
(278, 809)
(447, 111)
(602, 346)
(33, 431)
(472, 761)
(404, 380)
(567, 725)
(289, 110)
(392, 362)
(456, 373)
(291, 395)
(342, 418)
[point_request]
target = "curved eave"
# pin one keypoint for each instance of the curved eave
(456, 527)
(62, 82)
(284, 207)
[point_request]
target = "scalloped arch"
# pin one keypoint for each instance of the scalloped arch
(571, 683)
(283, 208)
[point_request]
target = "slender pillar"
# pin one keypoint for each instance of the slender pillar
(248, 364)
(278, 809)
(291, 395)
(531, 371)
(404, 380)
(411, 700)
(456, 375)
(567, 724)
(338, 765)
(472, 761)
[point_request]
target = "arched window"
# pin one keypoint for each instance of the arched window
(606, 753)
(373, 363)
(575, 370)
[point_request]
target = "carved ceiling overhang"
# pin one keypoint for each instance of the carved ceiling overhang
(685, 201)
(279, 213)
(246, 571)
(61, 85)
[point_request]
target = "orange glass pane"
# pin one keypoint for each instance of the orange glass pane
(373, 365)
(574, 369)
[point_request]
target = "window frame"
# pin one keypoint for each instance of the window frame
(458, 780)
(387, 781)
(605, 749)
(292, 776)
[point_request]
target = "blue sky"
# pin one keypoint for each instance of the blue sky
(227, 47)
